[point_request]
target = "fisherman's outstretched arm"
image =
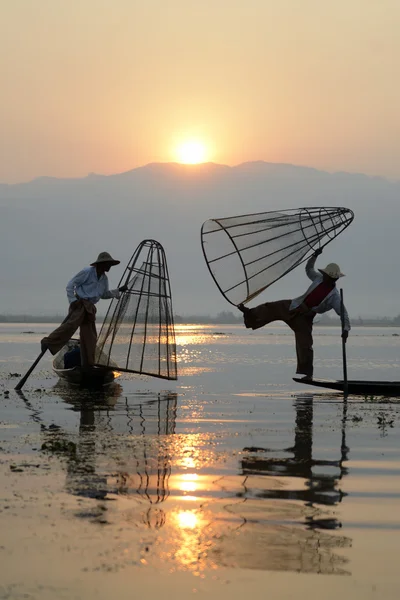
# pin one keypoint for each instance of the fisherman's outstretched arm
(310, 271)
(77, 280)
(107, 294)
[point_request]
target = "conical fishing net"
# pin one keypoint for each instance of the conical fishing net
(246, 254)
(138, 332)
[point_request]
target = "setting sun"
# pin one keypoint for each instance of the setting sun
(191, 153)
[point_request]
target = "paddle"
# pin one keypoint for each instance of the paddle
(21, 383)
(25, 377)
(345, 384)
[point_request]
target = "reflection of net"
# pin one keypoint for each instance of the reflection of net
(149, 466)
(246, 254)
(138, 332)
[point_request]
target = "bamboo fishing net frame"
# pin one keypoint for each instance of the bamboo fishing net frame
(148, 294)
(314, 227)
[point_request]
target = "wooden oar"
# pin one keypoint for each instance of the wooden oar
(25, 377)
(345, 384)
(21, 383)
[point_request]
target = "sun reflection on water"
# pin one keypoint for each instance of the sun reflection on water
(187, 519)
(192, 334)
(188, 462)
(189, 482)
(190, 543)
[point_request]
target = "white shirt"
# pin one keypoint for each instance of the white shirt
(87, 286)
(332, 300)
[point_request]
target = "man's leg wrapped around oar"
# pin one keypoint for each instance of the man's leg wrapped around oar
(82, 313)
(300, 320)
(261, 315)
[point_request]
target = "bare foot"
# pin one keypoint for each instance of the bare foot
(306, 378)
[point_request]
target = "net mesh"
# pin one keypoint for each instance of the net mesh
(138, 332)
(246, 254)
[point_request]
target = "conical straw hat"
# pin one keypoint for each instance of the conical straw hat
(105, 257)
(332, 270)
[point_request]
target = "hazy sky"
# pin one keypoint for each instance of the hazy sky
(107, 85)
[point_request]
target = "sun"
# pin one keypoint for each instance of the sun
(191, 153)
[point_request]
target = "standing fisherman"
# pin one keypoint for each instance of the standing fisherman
(83, 292)
(321, 296)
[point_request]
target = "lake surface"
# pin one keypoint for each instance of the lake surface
(232, 480)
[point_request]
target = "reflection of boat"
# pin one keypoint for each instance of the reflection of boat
(355, 387)
(90, 377)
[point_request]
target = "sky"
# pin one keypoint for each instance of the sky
(105, 86)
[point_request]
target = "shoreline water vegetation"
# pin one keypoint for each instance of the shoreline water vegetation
(223, 318)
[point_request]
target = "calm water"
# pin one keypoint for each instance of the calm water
(234, 465)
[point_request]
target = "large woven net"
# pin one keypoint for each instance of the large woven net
(246, 254)
(138, 332)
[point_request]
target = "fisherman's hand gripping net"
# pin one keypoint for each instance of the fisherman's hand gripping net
(246, 254)
(138, 332)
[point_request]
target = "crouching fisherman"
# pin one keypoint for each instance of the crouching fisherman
(83, 292)
(321, 296)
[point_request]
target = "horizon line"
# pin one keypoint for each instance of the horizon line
(192, 166)
(49, 315)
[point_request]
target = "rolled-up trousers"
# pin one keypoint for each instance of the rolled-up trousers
(82, 314)
(300, 322)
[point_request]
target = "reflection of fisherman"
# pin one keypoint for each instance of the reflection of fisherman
(148, 463)
(83, 478)
(321, 483)
(84, 291)
(315, 486)
(321, 296)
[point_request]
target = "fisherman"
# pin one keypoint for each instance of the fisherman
(83, 292)
(321, 296)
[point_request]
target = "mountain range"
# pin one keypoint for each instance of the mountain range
(51, 228)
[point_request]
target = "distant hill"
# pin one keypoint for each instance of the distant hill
(50, 228)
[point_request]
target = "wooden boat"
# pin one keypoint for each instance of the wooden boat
(93, 377)
(357, 388)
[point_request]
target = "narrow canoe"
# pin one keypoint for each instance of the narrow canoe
(355, 387)
(92, 377)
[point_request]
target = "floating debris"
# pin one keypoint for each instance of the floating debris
(357, 419)
(16, 469)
